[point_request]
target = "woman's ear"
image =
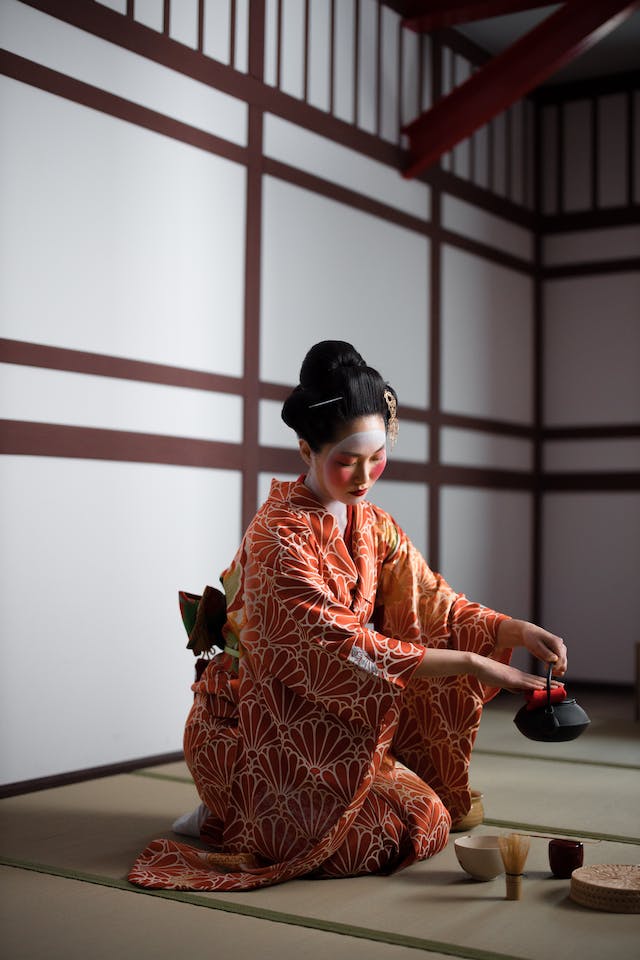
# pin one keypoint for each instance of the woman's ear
(305, 451)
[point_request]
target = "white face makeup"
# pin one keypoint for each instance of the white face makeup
(343, 474)
(364, 444)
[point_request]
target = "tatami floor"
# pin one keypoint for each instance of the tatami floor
(66, 852)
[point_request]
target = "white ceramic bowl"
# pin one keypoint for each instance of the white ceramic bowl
(479, 856)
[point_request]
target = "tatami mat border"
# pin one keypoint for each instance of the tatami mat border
(546, 758)
(559, 831)
(153, 775)
(261, 913)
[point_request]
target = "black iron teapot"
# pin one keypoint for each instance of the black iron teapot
(554, 719)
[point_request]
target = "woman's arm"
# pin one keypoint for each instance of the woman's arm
(493, 673)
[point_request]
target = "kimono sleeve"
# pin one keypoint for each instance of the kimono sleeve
(298, 631)
(416, 604)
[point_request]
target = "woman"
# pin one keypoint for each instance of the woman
(333, 735)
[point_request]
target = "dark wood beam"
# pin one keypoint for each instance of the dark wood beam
(424, 16)
(561, 37)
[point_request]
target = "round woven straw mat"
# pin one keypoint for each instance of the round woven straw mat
(607, 886)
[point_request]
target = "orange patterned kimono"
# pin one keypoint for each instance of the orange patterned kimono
(318, 752)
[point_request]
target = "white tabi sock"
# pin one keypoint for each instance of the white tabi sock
(189, 823)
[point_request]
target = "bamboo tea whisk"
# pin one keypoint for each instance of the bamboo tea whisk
(514, 849)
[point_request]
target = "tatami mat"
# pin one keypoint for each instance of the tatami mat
(147, 928)
(70, 849)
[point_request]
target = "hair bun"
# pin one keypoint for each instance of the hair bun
(325, 359)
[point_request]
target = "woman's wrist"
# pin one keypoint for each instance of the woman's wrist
(509, 635)
(473, 663)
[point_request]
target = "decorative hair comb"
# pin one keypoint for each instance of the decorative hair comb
(392, 426)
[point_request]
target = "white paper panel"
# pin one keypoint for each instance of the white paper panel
(485, 540)
(487, 338)
(292, 49)
(461, 153)
(529, 133)
(273, 432)
(500, 154)
(592, 350)
(79, 54)
(270, 42)
(124, 242)
(183, 22)
(56, 396)
(413, 442)
(217, 29)
(426, 72)
(577, 172)
(93, 555)
(242, 36)
(367, 65)
(470, 221)
(120, 6)
(591, 570)
(481, 147)
(518, 150)
(410, 106)
(327, 274)
(150, 13)
(319, 46)
(315, 154)
(408, 504)
(549, 159)
(591, 245)
(600, 455)
(475, 448)
(344, 33)
(389, 125)
(612, 150)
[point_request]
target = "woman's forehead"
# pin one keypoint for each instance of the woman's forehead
(366, 424)
(361, 443)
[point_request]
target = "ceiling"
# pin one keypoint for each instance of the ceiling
(618, 52)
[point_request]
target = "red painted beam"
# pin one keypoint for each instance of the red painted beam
(424, 16)
(561, 37)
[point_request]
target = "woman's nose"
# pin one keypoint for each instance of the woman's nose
(362, 473)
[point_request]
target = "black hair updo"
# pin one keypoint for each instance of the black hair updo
(334, 371)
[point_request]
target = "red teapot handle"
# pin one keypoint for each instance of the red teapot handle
(544, 698)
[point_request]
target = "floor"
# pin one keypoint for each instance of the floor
(66, 851)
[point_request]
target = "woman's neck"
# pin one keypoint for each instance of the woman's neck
(336, 508)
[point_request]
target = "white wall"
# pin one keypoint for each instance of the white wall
(113, 240)
(94, 666)
(591, 561)
(591, 540)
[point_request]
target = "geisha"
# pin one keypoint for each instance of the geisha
(332, 736)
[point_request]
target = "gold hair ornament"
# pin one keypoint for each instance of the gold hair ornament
(392, 425)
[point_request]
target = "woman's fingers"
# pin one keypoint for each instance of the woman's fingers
(497, 674)
(547, 647)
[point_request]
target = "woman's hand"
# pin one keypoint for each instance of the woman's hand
(544, 645)
(495, 674)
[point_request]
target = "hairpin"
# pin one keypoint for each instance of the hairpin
(323, 403)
